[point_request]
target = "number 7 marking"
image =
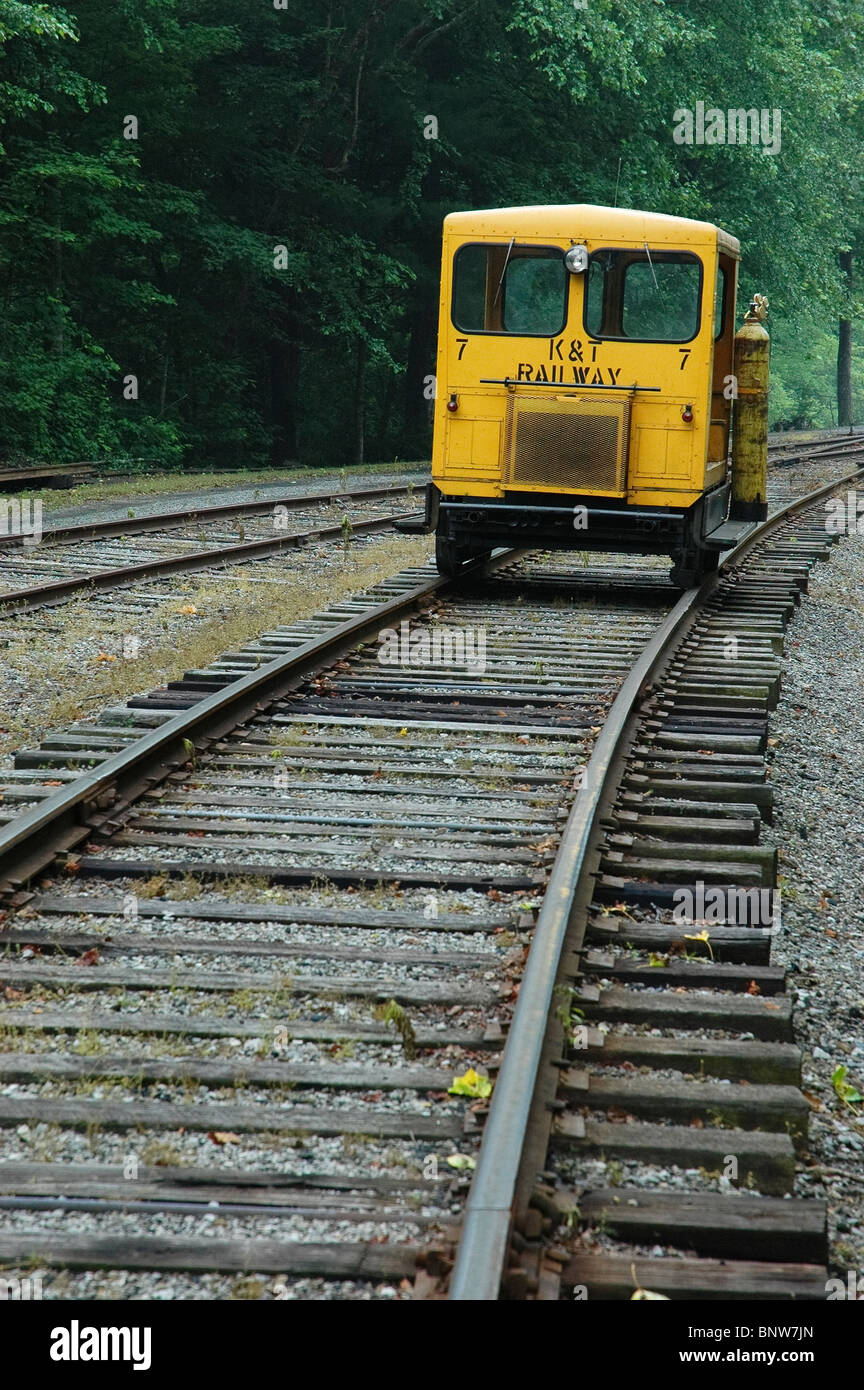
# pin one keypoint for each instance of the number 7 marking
(464, 344)
(685, 353)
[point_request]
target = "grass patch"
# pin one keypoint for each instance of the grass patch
(229, 609)
(161, 1153)
(247, 1286)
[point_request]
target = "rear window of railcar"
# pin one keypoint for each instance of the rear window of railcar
(643, 296)
(521, 290)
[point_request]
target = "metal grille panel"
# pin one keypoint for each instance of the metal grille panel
(567, 444)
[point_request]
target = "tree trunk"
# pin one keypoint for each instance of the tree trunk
(844, 351)
(360, 404)
(59, 343)
(284, 387)
(418, 410)
(163, 385)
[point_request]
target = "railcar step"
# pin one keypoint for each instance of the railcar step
(727, 535)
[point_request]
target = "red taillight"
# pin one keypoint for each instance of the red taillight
(453, 404)
(687, 415)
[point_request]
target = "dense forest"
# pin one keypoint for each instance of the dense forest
(220, 219)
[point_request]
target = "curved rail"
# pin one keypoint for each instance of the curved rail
(482, 1252)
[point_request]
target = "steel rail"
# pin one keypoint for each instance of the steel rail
(222, 511)
(193, 561)
(22, 478)
(32, 840)
(485, 1238)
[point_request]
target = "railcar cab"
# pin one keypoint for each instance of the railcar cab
(583, 398)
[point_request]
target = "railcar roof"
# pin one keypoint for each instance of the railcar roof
(591, 221)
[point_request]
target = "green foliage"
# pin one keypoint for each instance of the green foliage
(263, 258)
(461, 1162)
(394, 1014)
(845, 1091)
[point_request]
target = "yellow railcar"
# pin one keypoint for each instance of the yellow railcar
(585, 380)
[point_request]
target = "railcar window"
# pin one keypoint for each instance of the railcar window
(647, 296)
(502, 289)
(594, 297)
(719, 301)
(469, 288)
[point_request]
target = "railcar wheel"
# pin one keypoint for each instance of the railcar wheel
(690, 567)
(449, 557)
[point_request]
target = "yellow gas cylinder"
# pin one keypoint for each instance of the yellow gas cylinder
(750, 420)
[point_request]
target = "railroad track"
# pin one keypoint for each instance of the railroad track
(800, 467)
(70, 561)
(267, 935)
(366, 790)
(77, 560)
(677, 1056)
(49, 475)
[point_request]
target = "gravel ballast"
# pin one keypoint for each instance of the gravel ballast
(819, 831)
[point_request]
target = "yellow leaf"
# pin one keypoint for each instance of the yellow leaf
(471, 1084)
(702, 935)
